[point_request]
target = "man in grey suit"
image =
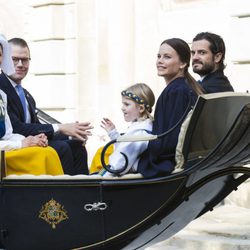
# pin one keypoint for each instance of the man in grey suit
(208, 54)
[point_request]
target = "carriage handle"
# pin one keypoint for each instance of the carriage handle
(95, 206)
(135, 138)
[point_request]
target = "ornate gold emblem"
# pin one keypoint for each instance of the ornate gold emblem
(53, 213)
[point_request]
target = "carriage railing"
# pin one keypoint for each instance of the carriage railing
(45, 118)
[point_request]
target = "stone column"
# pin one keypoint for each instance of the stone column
(53, 58)
(86, 60)
(105, 56)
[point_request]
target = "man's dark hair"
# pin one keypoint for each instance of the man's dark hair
(217, 45)
(19, 41)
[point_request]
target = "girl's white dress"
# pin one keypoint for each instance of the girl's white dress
(133, 150)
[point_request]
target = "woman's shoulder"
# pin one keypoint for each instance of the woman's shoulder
(179, 83)
(178, 86)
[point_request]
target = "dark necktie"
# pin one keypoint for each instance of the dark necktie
(21, 94)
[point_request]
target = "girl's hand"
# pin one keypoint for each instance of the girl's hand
(107, 124)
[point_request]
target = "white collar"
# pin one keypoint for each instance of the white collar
(202, 78)
(14, 84)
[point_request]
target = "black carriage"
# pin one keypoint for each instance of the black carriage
(130, 212)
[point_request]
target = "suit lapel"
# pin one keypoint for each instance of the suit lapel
(12, 95)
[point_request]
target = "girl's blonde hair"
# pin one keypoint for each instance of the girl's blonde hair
(142, 94)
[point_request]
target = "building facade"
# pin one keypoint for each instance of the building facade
(84, 52)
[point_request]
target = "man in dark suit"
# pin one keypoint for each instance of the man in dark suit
(208, 54)
(66, 139)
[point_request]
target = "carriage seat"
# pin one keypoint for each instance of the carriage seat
(206, 125)
(72, 177)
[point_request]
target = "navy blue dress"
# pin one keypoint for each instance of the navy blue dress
(159, 158)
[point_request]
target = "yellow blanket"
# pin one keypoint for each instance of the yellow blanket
(33, 160)
(96, 164)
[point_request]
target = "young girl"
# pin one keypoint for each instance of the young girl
(137, 103)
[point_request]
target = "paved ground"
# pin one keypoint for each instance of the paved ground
(225, 228)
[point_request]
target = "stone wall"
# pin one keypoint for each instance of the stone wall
(84, 52)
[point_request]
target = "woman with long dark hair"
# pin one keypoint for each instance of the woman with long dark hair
(172, 63)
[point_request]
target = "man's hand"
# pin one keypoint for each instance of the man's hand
(78, 130)
(37, 140)
(107, 124)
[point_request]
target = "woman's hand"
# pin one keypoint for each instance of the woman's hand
(37, 140)
(107, 124)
